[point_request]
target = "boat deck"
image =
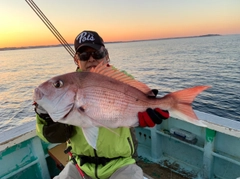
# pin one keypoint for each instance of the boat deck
(156, 171)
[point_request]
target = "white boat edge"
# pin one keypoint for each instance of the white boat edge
(27, 130)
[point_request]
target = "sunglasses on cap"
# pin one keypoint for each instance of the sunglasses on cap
(97, 55)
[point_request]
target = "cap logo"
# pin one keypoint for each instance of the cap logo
(85, 36)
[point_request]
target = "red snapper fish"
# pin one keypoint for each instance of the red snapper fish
(107, 97)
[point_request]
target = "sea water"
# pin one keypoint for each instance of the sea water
(167, 65)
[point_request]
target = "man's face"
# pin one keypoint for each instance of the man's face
(90, 58)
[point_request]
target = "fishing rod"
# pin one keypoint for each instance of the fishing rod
(51, 27)
(69, 49)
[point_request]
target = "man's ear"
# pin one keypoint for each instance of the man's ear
(75, 58)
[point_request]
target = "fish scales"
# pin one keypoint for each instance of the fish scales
(102, 104)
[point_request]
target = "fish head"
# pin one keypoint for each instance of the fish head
(57, 96)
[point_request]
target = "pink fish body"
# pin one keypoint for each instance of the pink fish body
(106, 97)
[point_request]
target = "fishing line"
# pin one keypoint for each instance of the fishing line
(51, 27)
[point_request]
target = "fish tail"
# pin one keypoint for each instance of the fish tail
(181, 103)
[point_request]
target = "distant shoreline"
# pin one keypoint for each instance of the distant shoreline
(47, 46)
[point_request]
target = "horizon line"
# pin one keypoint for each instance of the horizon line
(56, 45)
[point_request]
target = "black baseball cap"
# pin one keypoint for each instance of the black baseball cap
(88, 39)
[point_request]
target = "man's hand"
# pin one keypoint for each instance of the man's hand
(150, 117)
(54, 132)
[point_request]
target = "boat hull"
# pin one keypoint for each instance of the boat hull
(184, 148)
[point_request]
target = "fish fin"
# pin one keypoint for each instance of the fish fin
(101, 125)
(112, 72)
(182, 104)
(111, 130)
(97, 122)
(188, 116)
(91, 135)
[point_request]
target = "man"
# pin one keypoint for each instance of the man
(114, 157)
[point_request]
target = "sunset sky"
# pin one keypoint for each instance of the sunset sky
(116, 20)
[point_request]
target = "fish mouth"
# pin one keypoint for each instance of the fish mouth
(37, 95)
(70, 110)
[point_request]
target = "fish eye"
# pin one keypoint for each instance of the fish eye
(58, 84)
